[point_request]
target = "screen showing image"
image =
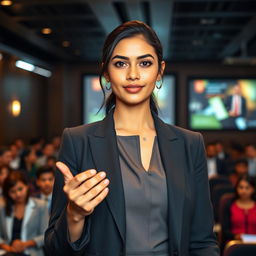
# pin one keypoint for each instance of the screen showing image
(93, 98)
(216, 104)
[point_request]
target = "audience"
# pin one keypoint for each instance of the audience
(228, 170)
(23, 219)
(15, 162)
(28, 163)
(45, 179)
(5, 157)
(239, 215)
(240, 169)
(221, 152)
(215, 165)
(250, 150)
(4, 171)
(48, 150)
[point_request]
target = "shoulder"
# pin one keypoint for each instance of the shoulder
(37, 202)
(185, 134)
(82, 130)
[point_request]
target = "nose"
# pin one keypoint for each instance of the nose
(133, 73)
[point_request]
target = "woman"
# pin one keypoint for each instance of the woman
(239, 216)
(29, 167)
(23, 219)
(134, 185)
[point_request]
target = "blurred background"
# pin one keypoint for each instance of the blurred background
(207, 42)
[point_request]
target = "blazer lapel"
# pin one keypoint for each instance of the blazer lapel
(106, 158)
(172, 153)
(9, 224)
(27, 215)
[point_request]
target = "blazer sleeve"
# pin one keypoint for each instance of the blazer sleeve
(57, 240)
(202, 238)
(3, 238)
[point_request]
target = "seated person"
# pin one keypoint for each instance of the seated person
(239, 215)
(240, 169)
(4, 171)
(45, 179)
(23, 219)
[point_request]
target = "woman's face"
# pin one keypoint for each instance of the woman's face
(19, 192)
(133, 70)
(244, 190)
(31, 157)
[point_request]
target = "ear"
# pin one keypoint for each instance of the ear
(162, 68)
(106, 76)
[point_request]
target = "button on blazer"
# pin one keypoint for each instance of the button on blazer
(190, 216)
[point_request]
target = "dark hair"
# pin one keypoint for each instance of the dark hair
(250, 180)
(23, 156)
(44, 169)
(241, 161)
(10, 181)
(127, 30)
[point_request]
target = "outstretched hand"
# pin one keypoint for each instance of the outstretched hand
(84, 191)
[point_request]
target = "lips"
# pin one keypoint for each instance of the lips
(133, 88)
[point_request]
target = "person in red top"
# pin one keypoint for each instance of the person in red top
(240, 213)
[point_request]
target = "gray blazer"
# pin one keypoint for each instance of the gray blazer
(34, 224)
(190, 216)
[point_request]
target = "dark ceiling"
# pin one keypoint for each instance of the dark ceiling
(190, 30)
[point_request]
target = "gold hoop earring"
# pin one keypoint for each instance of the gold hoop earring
(159, 84)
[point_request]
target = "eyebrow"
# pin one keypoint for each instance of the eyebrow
(126, 58)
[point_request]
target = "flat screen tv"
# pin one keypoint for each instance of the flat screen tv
(93, 97)
(222, 103)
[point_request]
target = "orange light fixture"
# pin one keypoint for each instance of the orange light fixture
(6, 3)
(46, 31)
(15, 108)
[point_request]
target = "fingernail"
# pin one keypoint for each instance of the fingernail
(93, 171)
(102, 174)
(106, 181)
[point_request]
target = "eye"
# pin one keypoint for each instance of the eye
(120, 64)
(146, 63)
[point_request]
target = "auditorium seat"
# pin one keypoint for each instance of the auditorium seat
(238, 248)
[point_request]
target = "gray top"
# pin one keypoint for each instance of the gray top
(145, 199)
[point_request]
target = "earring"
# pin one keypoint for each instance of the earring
(108, 88)
(105, 83)
(159, 84)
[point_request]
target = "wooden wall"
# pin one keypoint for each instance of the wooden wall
(30, 89)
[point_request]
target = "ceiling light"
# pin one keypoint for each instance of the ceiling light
(6, 3)
(46, 31)
(32, 68)
(42, 72)
(65, 43)
(24, 65)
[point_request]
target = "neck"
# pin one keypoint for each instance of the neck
(245, 200)
(20, 204)
(134, 118)
(46, 194)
